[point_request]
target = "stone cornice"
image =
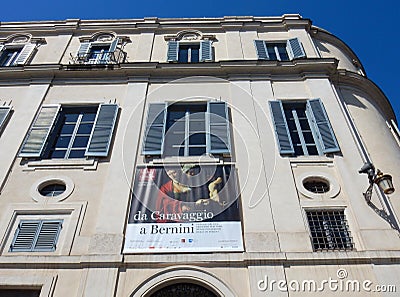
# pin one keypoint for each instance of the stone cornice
(285, 22)
(347, 79)
(202, 259)
(250, 68)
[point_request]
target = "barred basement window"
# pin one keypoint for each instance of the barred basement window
(329, 230)
(36, 236)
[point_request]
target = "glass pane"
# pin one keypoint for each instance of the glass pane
(194, 54)
(308, 137)
(271, 52)
(282, 52)
(67, 129)
(81, 141)
(197, 126)
(197, 151)
(58, 154)
(62, 142)
(312, 150)
(85, 128)
(197, 139)
(71, 117)
(77, 154)
(88, 117)
(183, 54)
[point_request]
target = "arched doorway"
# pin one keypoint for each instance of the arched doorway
(183, 281)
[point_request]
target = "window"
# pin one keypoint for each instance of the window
(71, 132)
(53, 190)
(303, 128)
(279, 51)
(36, 236)
(329, 230)
(187, 129)
(5, 112)
(317, 186)
(11, 55)
(100, 52)
(189, 52)
(183, 289)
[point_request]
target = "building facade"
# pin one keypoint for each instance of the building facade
(193, 157)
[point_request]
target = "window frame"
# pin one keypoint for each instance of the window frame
(318, 121)
(205, 50)
(45, 124)
(156, 122)
(22, 54)
(39, 231)
(103, 57)
(294, 49)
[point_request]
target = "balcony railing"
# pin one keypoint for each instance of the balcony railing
(103, 57)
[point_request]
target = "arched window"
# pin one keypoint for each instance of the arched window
(183, 290)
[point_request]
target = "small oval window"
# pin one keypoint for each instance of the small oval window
(52, 190)
(316, 185)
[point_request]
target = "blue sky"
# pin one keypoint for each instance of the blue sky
(368, 27)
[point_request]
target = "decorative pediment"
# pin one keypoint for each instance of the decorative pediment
(104, 37)
(189, 35)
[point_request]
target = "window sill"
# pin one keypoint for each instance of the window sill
(59, 164)
(314, 160)
(189, 159)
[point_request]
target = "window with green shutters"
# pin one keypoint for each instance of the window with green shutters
(190, 129)
(36, 236)
(189, 52)
(12, 55)
(68, 132)
(279, 51)
(5, 112)
(302, 128)
(100, 52)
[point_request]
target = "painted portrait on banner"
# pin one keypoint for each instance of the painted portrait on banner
(185, 208)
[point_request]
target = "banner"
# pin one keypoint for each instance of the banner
(189, 208)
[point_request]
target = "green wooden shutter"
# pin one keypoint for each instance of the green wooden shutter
(4, 113)
(282, 133)
(113, 45)
(322, 126)
(173, 49)
(39, 132)
(25, 54)
(219, 128)
(47, 236)
(25, 236)
(83, 50)
(205, 51)
(295, 49)
(261, 50)
(102, 131)
(153, 140)
(36, 236)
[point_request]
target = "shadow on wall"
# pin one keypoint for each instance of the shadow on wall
(321, 46)
(351, 99)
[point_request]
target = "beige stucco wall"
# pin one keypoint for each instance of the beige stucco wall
(88, 260)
